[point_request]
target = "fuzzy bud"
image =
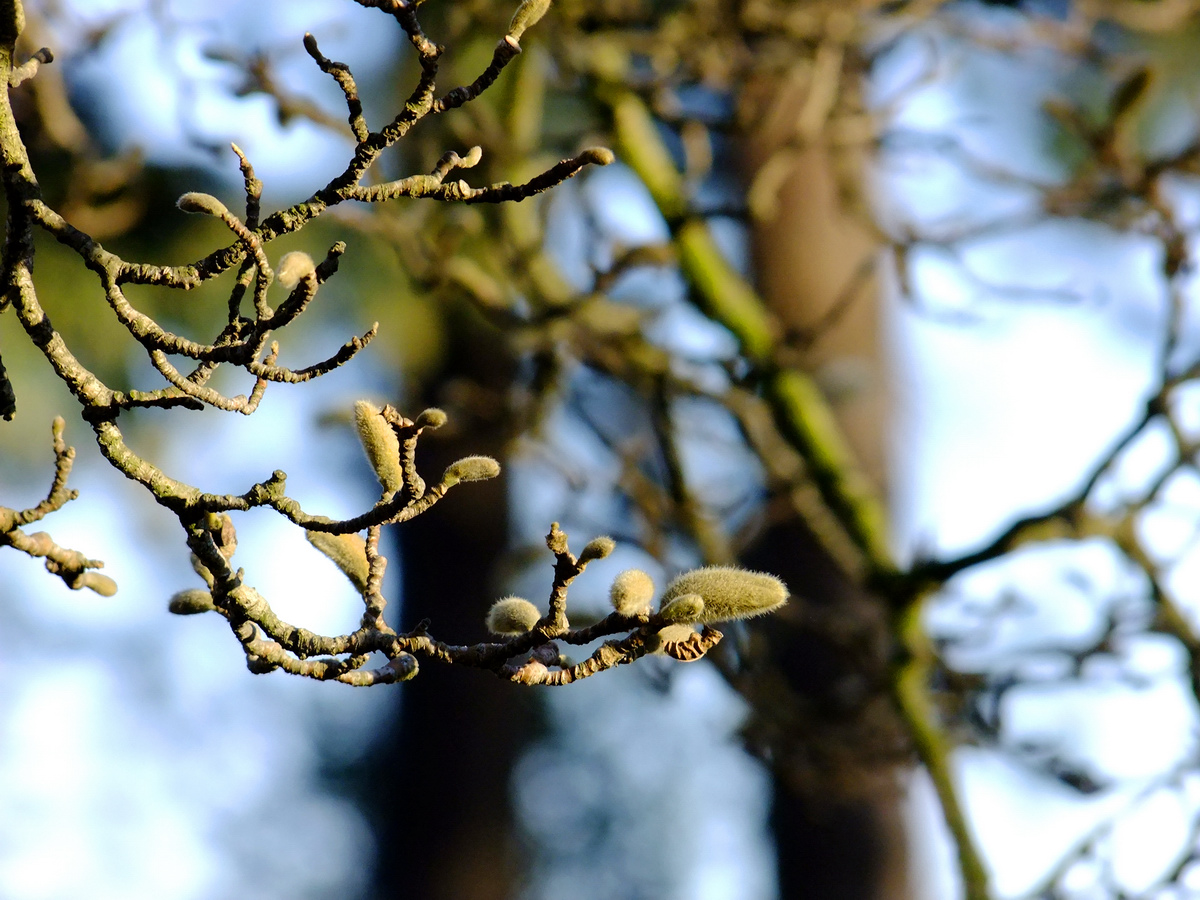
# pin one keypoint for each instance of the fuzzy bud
(100, 584)
(294, 267)
(526, 16)
(196, 202)
(728, 592)
(381, 445)
(632, 592)
(512, 615)
(597, 156)
(470, 468)
(431, 418)
(348, 552)
(597, 548)
(683, 608)
(191, 602)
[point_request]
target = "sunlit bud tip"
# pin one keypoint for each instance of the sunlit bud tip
(598, 156)
(196, 202)
(431, 418)
(191, 602)
(597, 548)
(632, 592)
(683, 609)
(512, 615)
(293, 267)
(729, 592)
(471, 468)
(381, 445)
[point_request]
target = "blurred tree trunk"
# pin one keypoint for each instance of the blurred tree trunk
(451, 749)
(839, 834)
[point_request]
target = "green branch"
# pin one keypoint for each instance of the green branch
(801, 412)
(915, 700)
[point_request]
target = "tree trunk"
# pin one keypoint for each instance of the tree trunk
(451, 750)
(838, 817)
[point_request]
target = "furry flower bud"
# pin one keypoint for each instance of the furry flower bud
(728, 592)
(381, 445)
(94, 581)
(196, 202)
(431, 418)
(470, 468)
(348, 552)
(683, 609)
(294, 267)
(631, 592)
(597, 548)
(526, 16)
(512, 615)
(598, 156)
(191, 602)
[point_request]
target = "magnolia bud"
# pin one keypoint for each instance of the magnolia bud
(597, 156)
(728, 592)
(196, 202)
(348, 552)
(471, 468)
(101, 584)
(684, 608)
(293, 267)
(381, 445)
(431, 418)
(191, 602)
(526, 16)
(597, 548)
(512, 615)
(632, 592)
